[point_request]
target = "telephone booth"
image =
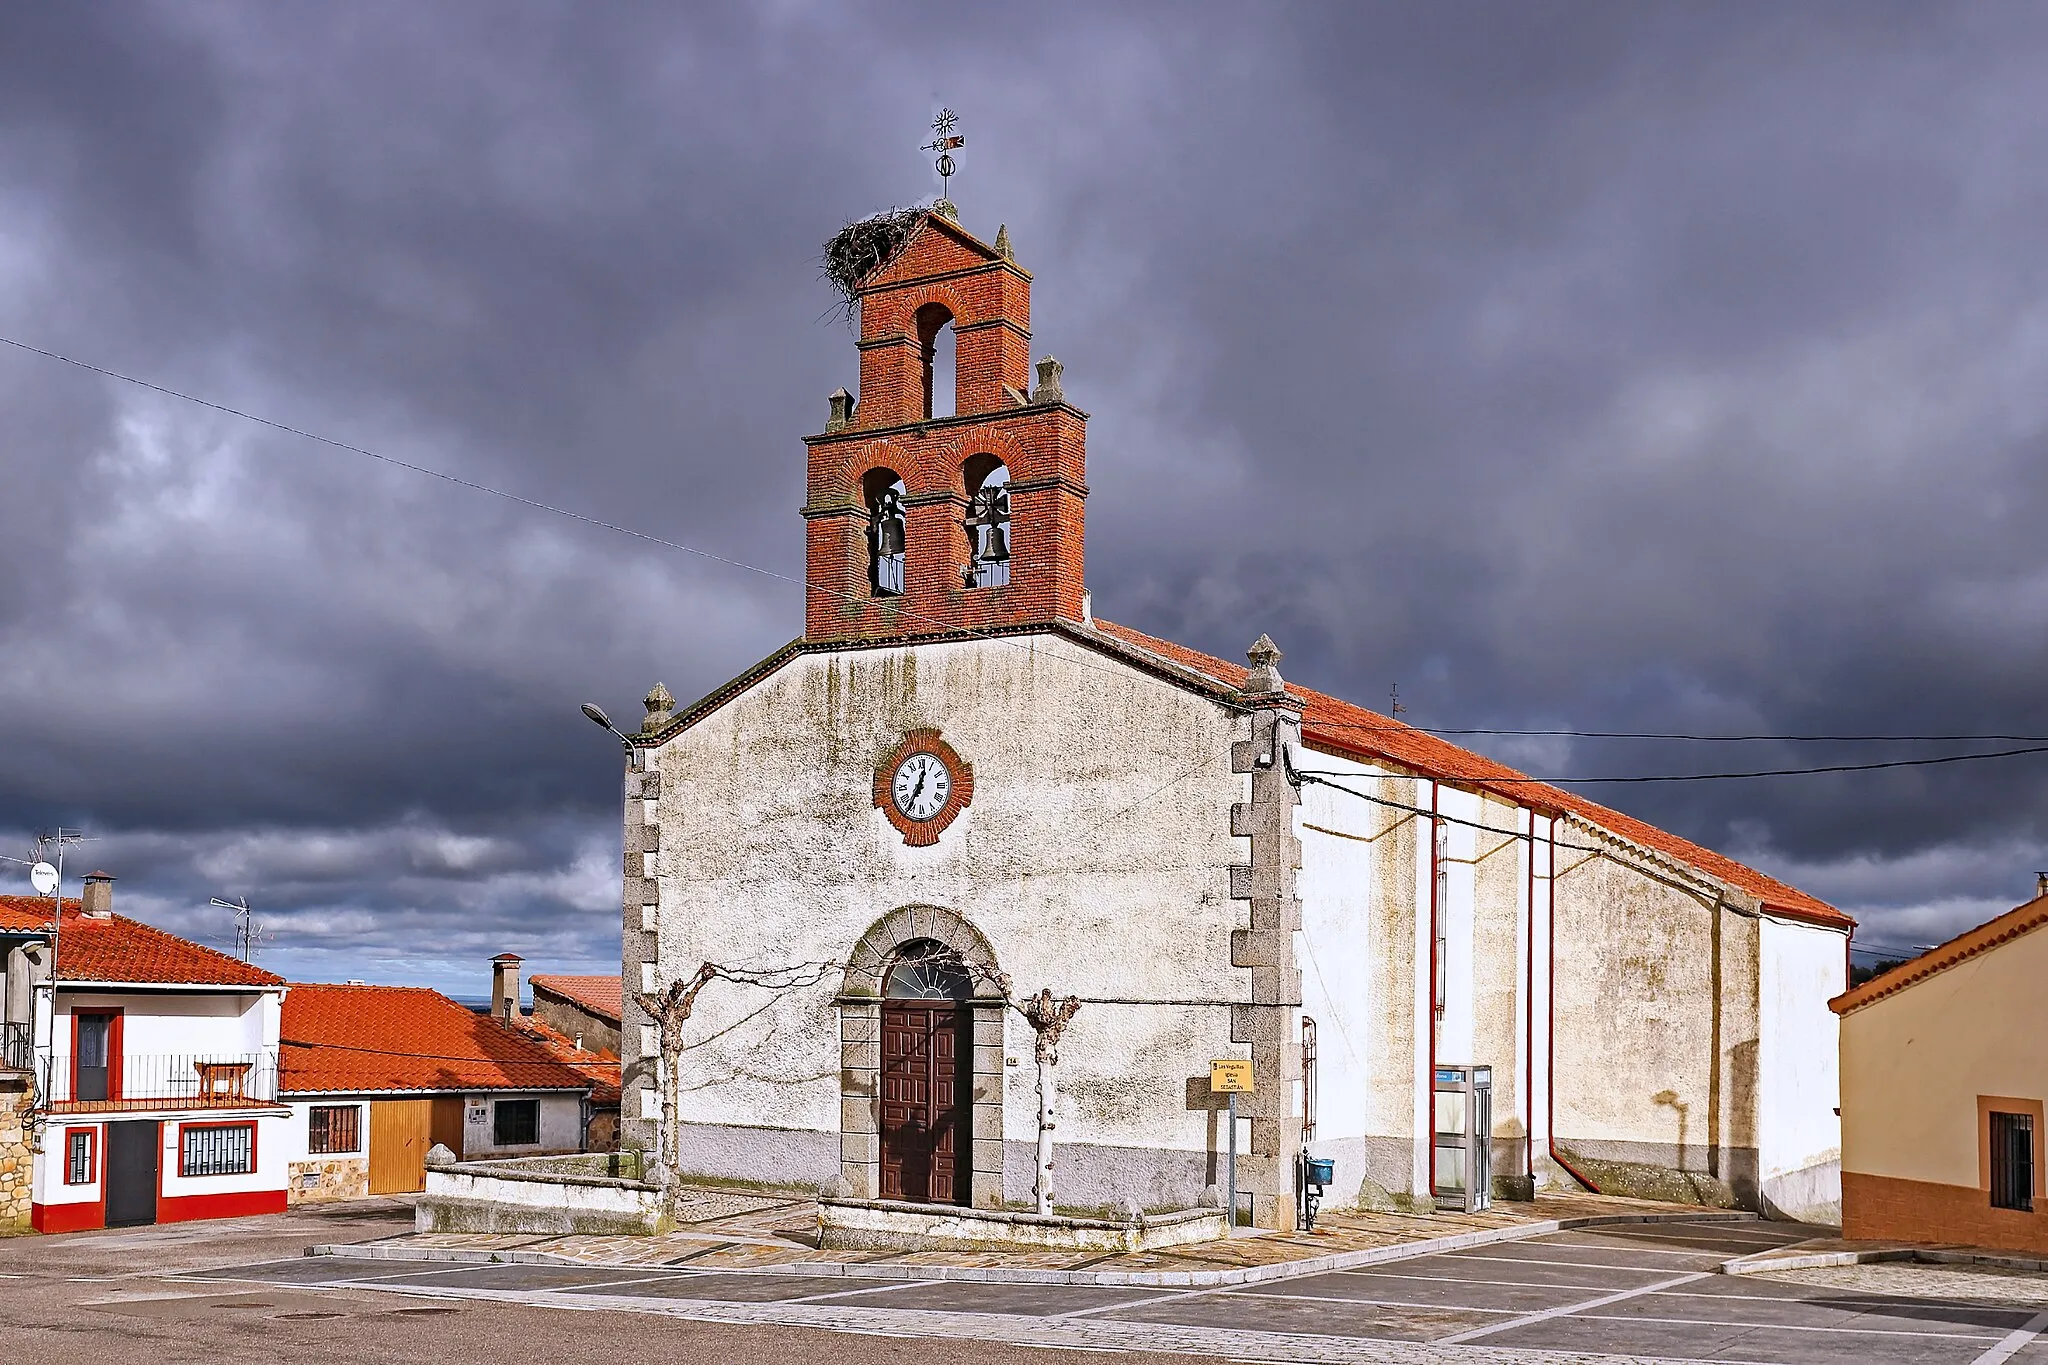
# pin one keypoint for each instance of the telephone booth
(1463, 1141)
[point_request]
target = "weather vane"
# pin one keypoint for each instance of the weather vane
(944, 144)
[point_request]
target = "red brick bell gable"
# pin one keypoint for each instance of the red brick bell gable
(944, 274)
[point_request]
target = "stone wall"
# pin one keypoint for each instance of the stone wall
(17, 1158)
(316, 1182)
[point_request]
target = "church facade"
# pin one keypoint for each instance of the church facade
(959, 780)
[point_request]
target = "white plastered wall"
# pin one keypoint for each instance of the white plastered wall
(1094, 858)
(1799, 1133)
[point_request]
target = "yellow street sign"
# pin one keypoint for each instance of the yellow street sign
(1230, 1075)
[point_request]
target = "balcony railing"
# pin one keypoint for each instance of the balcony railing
(17, 1047)
(200, 1080)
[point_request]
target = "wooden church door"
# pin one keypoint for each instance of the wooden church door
(926, 1045)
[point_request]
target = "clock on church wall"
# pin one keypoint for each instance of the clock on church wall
(922, 786)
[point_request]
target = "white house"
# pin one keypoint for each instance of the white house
(376, 1076)
(151, 1066)
(959, 774)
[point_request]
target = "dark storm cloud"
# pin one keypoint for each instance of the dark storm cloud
(1603, 367)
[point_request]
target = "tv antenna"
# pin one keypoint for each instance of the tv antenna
(1394, 700)
(248, 933)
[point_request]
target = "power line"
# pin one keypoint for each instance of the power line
(1691, 738)
(808, 587)
(1778, 772)
(534, 503)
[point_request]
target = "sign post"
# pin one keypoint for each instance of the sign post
(1231, 1077)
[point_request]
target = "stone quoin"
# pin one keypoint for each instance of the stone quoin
(1208, 855)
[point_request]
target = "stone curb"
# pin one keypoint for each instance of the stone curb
(1764, 1262)
(1163, 1279)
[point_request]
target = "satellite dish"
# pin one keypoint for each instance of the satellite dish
(43, 878)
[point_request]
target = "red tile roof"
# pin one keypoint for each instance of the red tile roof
(117, 948)
(357, 1039)
(598, 994)
(1964, 946)
(601, 1069)
(1339, 727)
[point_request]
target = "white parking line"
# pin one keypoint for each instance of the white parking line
(2013, 1341)
(871, 1287)
(1533, 1260)
(1570, 1309)
(1785, 1327)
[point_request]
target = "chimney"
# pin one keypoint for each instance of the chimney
(2040, 885)
(98, 898)
(505, 986)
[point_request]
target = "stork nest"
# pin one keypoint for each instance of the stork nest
(860, 249)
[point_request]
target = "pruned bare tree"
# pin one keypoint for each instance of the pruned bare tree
(1048, 1019)
(670, 1009)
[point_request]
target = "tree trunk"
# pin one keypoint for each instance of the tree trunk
(1045, 1098)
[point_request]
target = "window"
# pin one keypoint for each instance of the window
(217, 1149)
(333, 1128)
(516, 1123)
(79, 1155)
(2012, 1161)
(926, 969)
(94, 1058)
(938, 347)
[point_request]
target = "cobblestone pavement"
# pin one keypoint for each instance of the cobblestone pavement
(1908, 1279)
(742, 1230)
(1644, 1292)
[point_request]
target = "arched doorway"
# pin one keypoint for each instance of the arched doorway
(926, 1081)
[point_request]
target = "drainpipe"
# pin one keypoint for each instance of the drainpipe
(1550, 1062)
(1529, 1019)
(1434, 910)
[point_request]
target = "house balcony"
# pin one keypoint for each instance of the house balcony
(17, 1047)
(139, 1081)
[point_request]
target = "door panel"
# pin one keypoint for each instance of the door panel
(400, 1133)
(446, 1128)
(924, 1110)
(133, 1151)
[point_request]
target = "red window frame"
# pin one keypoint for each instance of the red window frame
(92, 1155)
(185, 1128)
(114, 1014)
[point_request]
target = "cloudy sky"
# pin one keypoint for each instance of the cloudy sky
(1630, 367)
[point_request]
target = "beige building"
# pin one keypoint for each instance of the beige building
(1944, 1070)
(959, 771)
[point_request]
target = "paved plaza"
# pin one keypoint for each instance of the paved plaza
(1646, 1292)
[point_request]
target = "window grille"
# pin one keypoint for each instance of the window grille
(333, 1128)
(516, 1123)
(228, 1149)
(2012, 1161)
(78, 1157)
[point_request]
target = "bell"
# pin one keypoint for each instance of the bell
(996, 549)
(889, 537)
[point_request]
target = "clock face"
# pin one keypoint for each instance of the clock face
(921, 786)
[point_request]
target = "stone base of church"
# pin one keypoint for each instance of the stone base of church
(875, 1225)
(1088, 1174)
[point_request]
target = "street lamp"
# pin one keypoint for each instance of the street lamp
(598, 717)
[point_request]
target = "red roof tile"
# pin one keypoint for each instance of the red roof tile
(117, 948)
(601, 1069)
(355, 1039)
(1338, 726)
(598, 994)
(1964, 946)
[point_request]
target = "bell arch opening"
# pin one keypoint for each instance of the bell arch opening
(882, 494)
(989, 543)
(939, 348)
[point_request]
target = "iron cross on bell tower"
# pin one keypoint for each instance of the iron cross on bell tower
(945, 141)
